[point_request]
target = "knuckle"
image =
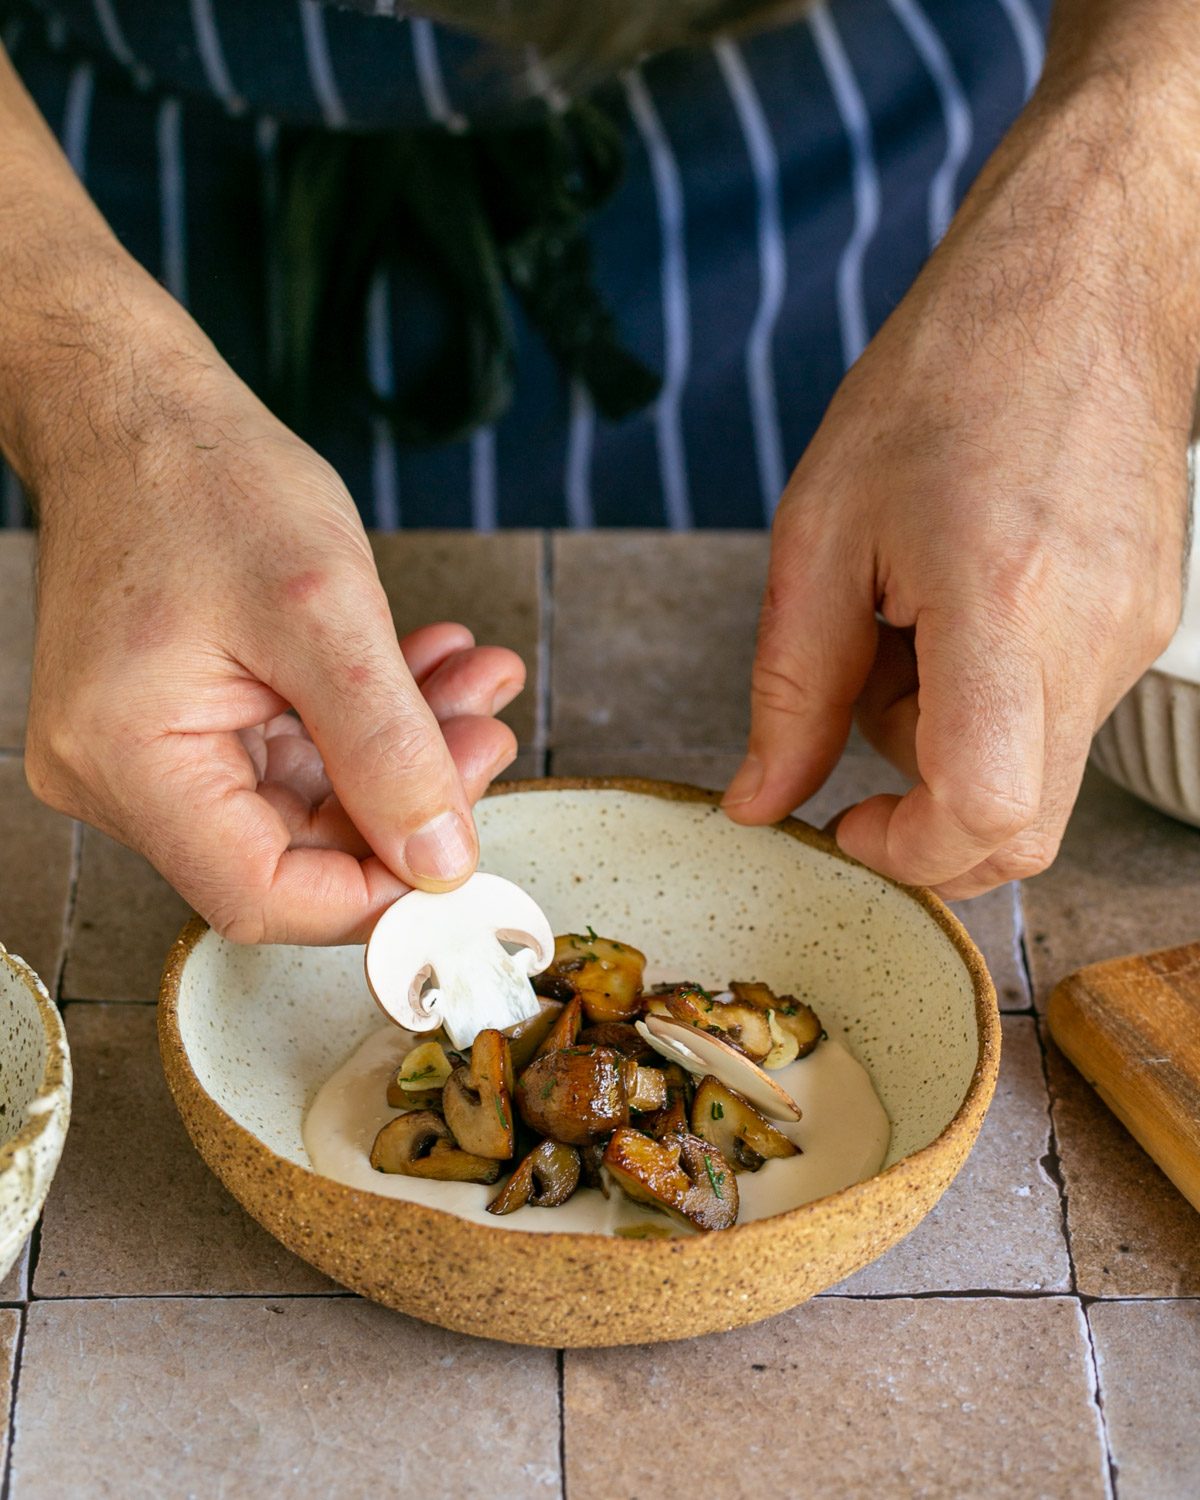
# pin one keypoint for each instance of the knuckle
(239, 924)
(990, 815)
(775, 688)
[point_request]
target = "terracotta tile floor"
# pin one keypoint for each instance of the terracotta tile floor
(1038, 1334)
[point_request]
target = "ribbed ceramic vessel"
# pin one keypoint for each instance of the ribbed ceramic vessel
(249, 1035)
(35, 1101)
(1150, 744)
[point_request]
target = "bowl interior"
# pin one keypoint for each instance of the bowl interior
(35, 1093)
(263, 1028)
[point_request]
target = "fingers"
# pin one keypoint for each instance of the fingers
(816, 641)
(426, 648)
(482, 680)
(339, 663)
(886, 711)
(980, 748)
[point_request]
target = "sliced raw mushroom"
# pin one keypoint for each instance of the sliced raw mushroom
(576, 1094)
(683, 1176)
(606, 975)
(421, 1145)
(565, 1030)
(417, 1082)
(700, 1052)
(547, 1177)
(742, 1026)
(730, 1123)
(461, 959)
(526, 1037)
(791, 1015)
(477, 1100)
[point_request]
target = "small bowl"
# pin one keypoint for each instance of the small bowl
(249, 1035)
(35, 1101)
(1150, 744)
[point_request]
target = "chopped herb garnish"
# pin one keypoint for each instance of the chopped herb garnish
(716, 1178)
(789, 1010)
(547, 1089)
(591, 932)
(500, 1112)
(717, 1111)
(420, 1073)
(824, 1035)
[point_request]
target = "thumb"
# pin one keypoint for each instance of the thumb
(816, 642)
(382, 747)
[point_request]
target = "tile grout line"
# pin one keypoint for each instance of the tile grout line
(69, 908)
(1098, 1398)
(18, 1353)
(562, 1423)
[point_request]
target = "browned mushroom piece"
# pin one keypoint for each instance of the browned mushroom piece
(621, 1037)
(575, 1095)
(591, 1159)
(547, 1177)
(683, 1176)
(420, 1144)
(742, 1026)
(605, 975)
(791, 1015)
(526, 1037)
(645, 1088)
(564, 1031)
(730, 1123)
(477, 1100)
(672, 1118)
(417, 1083)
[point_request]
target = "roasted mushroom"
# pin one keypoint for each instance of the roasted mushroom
(672, 1118)
(730, 1123)
(417, 1083)
(525, 1038)
(621, 1037)
(420, 1145)
(742, 1026)
(547, 1177)
(591, 1159)
(684, 1176)
(565, 1029)
(645, 1088)
(606, 975)
(477, 1100)
(576, 1094)
(791, 1015)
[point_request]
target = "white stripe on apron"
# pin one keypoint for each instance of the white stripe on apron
(172, 199)
(578, 482)
(772, 271)
(382, 375)
(77, 115)
(212, 56)
(668, 191)
(932, 52)
(1028, 32)
(852, 310)
(320, 65)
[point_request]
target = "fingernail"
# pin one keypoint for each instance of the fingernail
(746, 785)
(441, 849)
(505, 693)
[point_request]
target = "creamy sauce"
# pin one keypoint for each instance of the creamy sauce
(843, 1137)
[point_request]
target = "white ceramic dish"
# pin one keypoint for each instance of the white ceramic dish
(1150, 744)
(250, 1035)
(35, 1101)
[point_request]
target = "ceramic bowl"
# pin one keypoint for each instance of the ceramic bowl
(35, 1101)
(248, 1035)
(1150, 744)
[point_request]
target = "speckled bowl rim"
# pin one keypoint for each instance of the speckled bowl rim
(954, 1140)
(56, 1077)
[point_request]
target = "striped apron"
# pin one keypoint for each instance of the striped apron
(780, 195)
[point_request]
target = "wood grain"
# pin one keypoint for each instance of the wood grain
(1132, 1028)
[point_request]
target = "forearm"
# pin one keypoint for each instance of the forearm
(80, 320)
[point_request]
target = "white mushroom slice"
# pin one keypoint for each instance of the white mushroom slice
(442, 960)
(700, 1053)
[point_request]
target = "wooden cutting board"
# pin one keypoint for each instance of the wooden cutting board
(1132, 1028)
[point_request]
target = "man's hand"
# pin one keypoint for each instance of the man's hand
(982, 548)
(201, 577)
